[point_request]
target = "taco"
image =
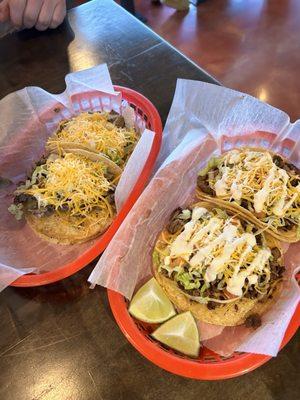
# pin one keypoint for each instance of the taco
(218, 266)
(100, 132)
(261, 185)
(67, 199)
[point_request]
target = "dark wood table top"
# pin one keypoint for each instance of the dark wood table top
(60, 341)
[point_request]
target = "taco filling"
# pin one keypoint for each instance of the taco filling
(76, 190)
(261, 183)
(216, 259)
(102, 132)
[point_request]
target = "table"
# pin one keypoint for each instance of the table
(60, 341)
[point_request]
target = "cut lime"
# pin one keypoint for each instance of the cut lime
(151, 304)
(180, 333)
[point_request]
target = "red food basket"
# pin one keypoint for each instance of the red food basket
(209, 365)
(146, 115)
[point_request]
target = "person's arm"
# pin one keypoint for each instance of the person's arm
(41, 14)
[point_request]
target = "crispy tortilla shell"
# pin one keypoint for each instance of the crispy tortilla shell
(61, 230)
(284, 236)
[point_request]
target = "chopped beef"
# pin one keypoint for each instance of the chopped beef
(244, 224)
(213, 287)
(41, 161)
(64, 207)
(175, 223)
(181, 286)
(44, 211)
(202, 183)
(62, 125)
(109, 175)
(278, 161)
(129, 148)
(295, 182)
(116, 119)
(32, 204)
(211, 305)
(186, 267)
(288, 225)
(292, 167)
(236, 307)
(251, 293)
(244, 204)
(253, 321)
(119, 122)
(176, 213)
(49, 210)
(259, 239)
(173, 274)
(23, 198)
(276, 271)
(111, 197)
(261, 278)
(195, 292)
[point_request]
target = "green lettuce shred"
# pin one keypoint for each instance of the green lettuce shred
(16, 210)
(221, 213)
(212, 163)
(186, 280)
(155, 258)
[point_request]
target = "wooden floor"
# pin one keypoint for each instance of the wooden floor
(249, 45)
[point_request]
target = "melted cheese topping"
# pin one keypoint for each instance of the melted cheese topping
(94, 130)
(253, 176)
(215, 247)
(73, 181)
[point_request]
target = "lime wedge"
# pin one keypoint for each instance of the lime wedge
(151, 304)
(180, 333)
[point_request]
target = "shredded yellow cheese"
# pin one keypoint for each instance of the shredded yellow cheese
(75, 182)
(94, 131)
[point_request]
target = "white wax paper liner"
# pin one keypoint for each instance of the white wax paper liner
(28, 117)
(204, 120)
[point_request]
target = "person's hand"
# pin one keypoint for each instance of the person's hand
(41, 14)
(4, 11)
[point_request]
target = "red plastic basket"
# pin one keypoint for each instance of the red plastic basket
(209, 365)
(147, 115)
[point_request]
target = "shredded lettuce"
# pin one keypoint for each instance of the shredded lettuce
(221, 213)
(25, 186)
(186, 280)
(212, 163)
(16, 210)
(155, 258)
(186, 214)
(37, 173)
